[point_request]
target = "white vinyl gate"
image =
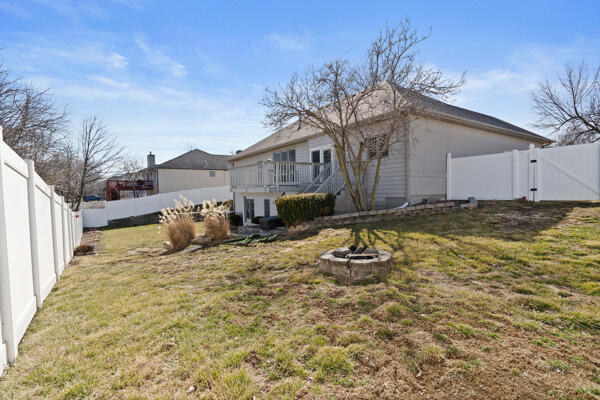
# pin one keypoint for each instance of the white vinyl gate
(558, 173)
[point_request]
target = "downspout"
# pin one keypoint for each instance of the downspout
(157, 185)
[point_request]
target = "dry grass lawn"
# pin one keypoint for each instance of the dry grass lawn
(500, 302)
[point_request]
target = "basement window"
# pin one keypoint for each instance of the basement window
(213, 174)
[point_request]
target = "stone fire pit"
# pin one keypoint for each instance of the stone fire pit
(362, 265)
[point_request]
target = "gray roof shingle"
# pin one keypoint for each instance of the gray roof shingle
(291, 134)
(197, 159)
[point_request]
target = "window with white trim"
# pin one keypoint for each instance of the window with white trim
(377, 143)
(249, 208)
(285, 155)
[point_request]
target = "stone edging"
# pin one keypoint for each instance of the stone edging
(378, 215)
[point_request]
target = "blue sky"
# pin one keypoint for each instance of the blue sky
(171, 75)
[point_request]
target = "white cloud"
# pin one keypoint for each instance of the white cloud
(289, 42)
(158, 56)
(75, 9)
(90, 54)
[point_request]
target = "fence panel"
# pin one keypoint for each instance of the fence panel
(59, 256)
(42, 213)
(94, 217)
(18, 303)
(97, 217)
(34, 246)
(558, 173)
(120, 209)
(570, 172)
(470, 177)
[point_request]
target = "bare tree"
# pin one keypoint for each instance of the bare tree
(98, 154)
(33, 126)
(572, 110)
(132, 171)
(365, 109)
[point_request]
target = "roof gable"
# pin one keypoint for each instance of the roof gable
(293, 134)
(197, 159)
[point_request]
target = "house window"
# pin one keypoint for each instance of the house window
(267, 212)
(249, 208)
(377, 143)
(213, 174)
(285, 155)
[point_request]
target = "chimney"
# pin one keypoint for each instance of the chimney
(238, 151)
(150, 160)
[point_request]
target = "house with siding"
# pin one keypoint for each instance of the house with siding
(300, 159)
(191, 170)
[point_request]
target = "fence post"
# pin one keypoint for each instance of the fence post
(515, 174)
(448, 176)
(531, 174)
(64, 233)
(6, 314)
(70, 230)
(54, 238)
(33, 237)
(538, 181)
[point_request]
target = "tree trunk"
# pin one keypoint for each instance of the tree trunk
(374, 190)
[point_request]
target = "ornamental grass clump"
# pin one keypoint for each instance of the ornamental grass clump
(216, 224)
(179, 223)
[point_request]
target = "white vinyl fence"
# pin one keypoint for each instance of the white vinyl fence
(556, 173)
(38, 232)
(97, 217)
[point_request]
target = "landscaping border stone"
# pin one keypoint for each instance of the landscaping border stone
(380, 215)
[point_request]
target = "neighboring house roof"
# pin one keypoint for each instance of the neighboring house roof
(291, 134)
(197, 159)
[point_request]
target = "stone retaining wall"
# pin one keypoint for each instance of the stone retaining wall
(380, 215)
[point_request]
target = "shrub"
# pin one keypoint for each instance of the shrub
(216, 224)
(83, 249)
(295, 209)
(235, 219)
(179, 224)
(256, 220)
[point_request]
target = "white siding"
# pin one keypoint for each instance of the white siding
(392, 178)
(173, 180)
(301, 155)
(259, 203)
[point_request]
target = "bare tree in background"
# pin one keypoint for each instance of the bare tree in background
(571, 110)
(98, 154)
(365, 108)
(132, 171)
(33, 126)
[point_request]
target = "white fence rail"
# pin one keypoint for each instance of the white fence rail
(38, 232)
(97, 217)
(557, 173)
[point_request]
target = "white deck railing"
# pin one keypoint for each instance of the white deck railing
(273, 175)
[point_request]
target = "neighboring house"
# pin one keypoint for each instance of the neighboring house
(300, 159)
(192, 170)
